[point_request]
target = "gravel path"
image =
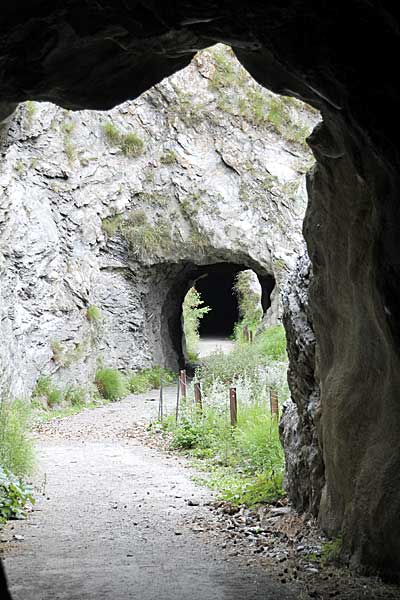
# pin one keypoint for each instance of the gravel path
(208, 345)
(117, 519)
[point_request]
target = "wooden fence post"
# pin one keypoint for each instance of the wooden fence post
(233, 406)
(273, 402)
(178, 389)
(182, 379)
(246, 333)
(250, 336)
(197, 395)
(160, 406)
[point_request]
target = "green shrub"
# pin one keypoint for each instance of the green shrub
(149, 379)
(193, 312)
(187, 435)
(76, 396)
(272, 343)
(16, 446)
(93, 313)
(110, 383)
(14, 496)
(46, 389)
(131, 144)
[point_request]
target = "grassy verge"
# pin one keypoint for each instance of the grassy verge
(16, 458)
(244, 463)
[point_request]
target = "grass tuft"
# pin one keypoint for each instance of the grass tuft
(111, 384)
(16, 446)
(93, 313)
(149, 379)
(45, 388)
(130, 143)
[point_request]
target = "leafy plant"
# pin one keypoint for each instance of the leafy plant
(16, 446)
(110, 383)
(331, 551)
(193, 311)
(246, 463)
(271, 343)
(187, 435)
(14, 496)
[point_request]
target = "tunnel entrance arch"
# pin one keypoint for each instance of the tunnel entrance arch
(179, 278)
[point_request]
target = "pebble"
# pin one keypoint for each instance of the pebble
(191, 502)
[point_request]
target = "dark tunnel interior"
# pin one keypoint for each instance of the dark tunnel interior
(215, 284)
(216, 289)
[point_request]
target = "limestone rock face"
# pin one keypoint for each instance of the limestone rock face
(301, 414)
(123, 210)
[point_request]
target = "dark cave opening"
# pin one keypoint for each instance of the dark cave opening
(216, 289)
(215, 284)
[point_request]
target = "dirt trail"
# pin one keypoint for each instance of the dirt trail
(208, 345)
(117, 519)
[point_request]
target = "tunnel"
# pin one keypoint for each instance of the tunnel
(215, 283)
(216, 290)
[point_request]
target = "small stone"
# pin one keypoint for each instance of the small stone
(18, 537)
(191, 502)
(178, 532)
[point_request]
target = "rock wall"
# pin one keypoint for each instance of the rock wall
(305, 470)
(123, 210)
